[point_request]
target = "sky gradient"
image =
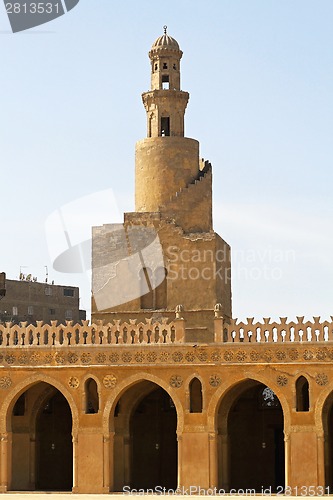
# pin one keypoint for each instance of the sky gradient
(260, 77)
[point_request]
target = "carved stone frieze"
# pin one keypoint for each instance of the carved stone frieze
(177, 357)
(72, 357)
(114, 357)
(86, 358)
(190, 357)
(10, 359)
(227, 353)
(100, 358)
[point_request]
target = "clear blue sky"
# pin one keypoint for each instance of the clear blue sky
(260, 77)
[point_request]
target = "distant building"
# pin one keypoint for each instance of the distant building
(2, 285)
(32, 301)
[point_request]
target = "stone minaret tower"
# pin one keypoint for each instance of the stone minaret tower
(173, 200)
(166, 161)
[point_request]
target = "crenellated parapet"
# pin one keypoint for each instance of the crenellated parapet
(152, 332)
(269, 331)
(99, 334)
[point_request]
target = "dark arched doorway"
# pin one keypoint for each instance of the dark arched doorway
(251, 450)
(145, 440)
(42, 450)
(328, 440)
(54, 452)
(154, 443)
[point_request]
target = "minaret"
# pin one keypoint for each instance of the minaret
(166, 161)
(166, 253)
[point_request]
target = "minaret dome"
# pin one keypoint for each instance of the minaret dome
(165, 56)
(165, 42)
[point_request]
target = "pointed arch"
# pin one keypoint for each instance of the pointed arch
(196, 397)
(324, 424)
(302, 394)
(125, 384)
(226, 390)
(91, 396)
(23, 470)
(225, 418)
(24, 385)
(128, 415)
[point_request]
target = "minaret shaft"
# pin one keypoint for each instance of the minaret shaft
(166, 161)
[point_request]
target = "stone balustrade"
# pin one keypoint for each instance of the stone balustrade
(44, 335)
(272, 331)
(164, 332)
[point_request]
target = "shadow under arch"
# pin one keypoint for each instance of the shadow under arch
(128, 382)
(324, 429)
(143, 422)
(224, 392)
(25, 438)
(249, 421)
(24, 385)
(47, 393)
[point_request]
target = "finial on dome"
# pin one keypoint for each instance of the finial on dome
(165, 42)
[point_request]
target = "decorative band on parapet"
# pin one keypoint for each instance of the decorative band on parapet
(152, 355)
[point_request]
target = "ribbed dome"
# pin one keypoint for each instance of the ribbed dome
(165, 42)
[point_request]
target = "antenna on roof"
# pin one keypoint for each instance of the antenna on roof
(22, 276)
